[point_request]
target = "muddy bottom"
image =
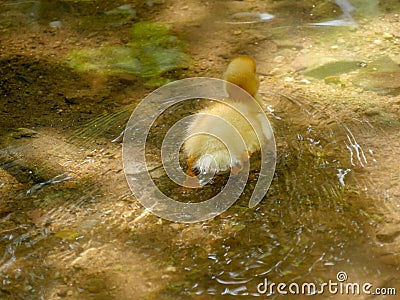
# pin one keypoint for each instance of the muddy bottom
(72, 72)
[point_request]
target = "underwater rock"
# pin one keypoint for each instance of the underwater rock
(325, 9)
(31, 155)
(381, 75)
(20, 133)
(334, 65)
(389, 237)
(152, 52)
(123, 9)
(368, 8)
(68, 234)
(56, 24)
(120, 15)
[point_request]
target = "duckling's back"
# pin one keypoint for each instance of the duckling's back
(217, 123)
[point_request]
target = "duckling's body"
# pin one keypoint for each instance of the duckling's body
(208, 154)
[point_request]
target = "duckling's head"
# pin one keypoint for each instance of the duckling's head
(242, 72)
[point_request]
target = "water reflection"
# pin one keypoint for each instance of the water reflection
(249, 18)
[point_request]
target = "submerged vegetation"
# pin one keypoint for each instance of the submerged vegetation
(152, 52)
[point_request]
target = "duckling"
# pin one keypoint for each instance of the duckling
(208, 154)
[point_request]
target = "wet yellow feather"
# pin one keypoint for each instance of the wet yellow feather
(208, 154)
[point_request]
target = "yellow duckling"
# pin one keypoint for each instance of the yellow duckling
(209, 154)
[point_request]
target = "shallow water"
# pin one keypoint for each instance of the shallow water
(70, 227)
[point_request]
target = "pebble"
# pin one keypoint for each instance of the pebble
(304, 51)
(341, 41)
(55, 24)
(279, 59)
(23, 133)
(170, 269)
(176, 226)
(304, 81)
(275, 72)
(62, 292)
(387, 36)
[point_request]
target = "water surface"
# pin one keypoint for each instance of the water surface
(70, 227)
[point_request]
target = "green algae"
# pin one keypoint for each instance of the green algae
(152, 52)
(68, 234)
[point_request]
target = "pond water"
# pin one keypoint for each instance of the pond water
(73, 71)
